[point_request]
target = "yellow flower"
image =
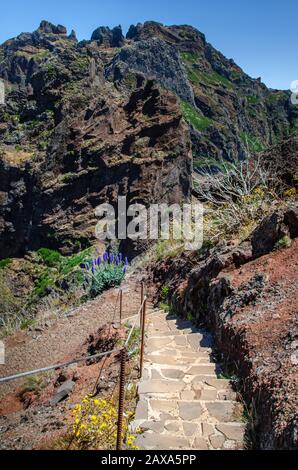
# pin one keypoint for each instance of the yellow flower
(290, 192)
(77, 421)
(83, 426)
(96, 402)
(94, 418)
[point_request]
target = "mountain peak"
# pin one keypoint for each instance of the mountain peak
(47, 27)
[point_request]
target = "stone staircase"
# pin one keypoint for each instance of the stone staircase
(183, 402)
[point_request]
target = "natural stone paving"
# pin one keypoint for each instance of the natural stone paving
(183, 402)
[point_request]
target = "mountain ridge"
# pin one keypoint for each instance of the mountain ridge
(74, 110)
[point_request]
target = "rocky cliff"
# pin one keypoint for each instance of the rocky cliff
(86, 121)
(70, 141)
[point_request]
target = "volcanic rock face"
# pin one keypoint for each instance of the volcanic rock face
(84, 122)
(71, 141)
(153, 57)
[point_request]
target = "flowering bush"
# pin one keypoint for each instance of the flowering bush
(104, 272)
(95, 425)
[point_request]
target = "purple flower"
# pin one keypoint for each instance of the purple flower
(99, 260)
(87, 266)
(105, 256)
(120, 257)
(93, 267)
(117, 260)
(126, 260)
(111, 257)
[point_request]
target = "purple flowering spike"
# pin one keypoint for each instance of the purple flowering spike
(126, 260)
(120, 257)
(99, 260)
(87, 266)
(117, 260)
(111, 257)
(93, 267)
(124, 270)
(105, 256)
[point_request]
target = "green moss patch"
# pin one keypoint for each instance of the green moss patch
(192, 116)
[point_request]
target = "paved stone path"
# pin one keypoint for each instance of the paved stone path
(183, 404)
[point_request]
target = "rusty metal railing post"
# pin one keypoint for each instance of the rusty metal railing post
(142, 336)
(121, 399)
(121, 306)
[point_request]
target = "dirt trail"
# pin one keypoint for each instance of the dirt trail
(27, 350)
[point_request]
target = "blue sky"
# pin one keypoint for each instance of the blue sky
(260, 35)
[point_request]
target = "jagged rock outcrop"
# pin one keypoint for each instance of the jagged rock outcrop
(108, 37)
(233, 114)
(97, 151)
(153, 58)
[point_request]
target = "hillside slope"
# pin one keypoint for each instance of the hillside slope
(86, 121)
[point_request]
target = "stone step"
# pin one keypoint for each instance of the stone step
(183, 402)
(156, 441)
(198, 411)
(160, 359)
(201, 436)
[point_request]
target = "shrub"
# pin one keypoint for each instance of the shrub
(284, 242)
(164, 293)
(5, 262)
(95, 425)
(252, 143)
(105, 272)
(236, 198)
(49, 257)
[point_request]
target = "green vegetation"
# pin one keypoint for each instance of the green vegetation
(275, 97)
(41, 55)
(57, 267)
(108, 275)
(192, 116)
(201, 77)
(164, 293)
(26, 323)
(189, 57)
(69, 177)
(253, 143)
(80, 65)
(134, 339)
(190, 316)
(252, 99)
(163, 306)
(5, 262)
(284, 242)
(49, 257)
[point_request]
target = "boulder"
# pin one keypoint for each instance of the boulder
(62, 392)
